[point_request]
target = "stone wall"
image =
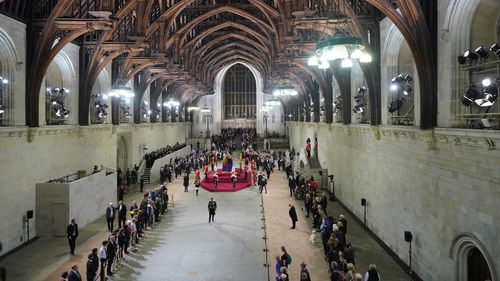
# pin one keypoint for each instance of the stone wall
(437, 184)
(37, 155)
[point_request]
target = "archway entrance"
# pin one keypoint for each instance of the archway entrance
(477, 267)
(122, 155)
(239, 98)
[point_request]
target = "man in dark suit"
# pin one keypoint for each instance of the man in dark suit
(122, 214)
(293, 215)
(72, 233)
(111, 254)
(74, 275)
(110, 216)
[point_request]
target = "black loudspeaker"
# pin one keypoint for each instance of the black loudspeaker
(363, 202)
(320, 173)
(408, 236)
(29, 214)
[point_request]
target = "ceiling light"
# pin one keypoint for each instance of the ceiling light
(365, 58)
(313, 61)
(357, 54)
(346, 63)
(323, 64)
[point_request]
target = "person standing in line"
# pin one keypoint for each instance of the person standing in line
(291, 184)
(293, 215)
(72, 234)
(111, 254)
(141, 183)
(186, 182)
(103, 257)
(74, 275)
(110, 216)
(212, 207)
(91, 269)
(122, 214)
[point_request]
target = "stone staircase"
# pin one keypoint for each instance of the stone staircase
(314, 163)
(147, 175)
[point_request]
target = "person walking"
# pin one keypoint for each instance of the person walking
(186, 182)
(212, 207)
(304, 273)
(293, 215)
(72, 234)
(110, 216)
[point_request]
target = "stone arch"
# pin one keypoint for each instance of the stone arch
(389, 66)
(459, 251)
(101, 86)
(8, 59)
(122, 155)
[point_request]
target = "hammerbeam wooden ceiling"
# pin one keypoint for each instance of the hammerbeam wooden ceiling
(184, 43)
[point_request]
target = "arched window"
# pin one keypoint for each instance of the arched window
(239, 93)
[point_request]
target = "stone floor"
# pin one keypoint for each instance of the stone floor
(184, 246)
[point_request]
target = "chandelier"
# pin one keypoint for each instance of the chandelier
(339, 47)
(122, 91)
(284, 91)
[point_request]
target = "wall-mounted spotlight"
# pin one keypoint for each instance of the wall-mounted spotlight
(360, 100)
(482, 52)
(468, 54)
(101, 106)
(495, 48)
(401, 84)
(56, 98)
(483, 95)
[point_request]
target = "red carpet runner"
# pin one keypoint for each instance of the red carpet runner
(225, 181)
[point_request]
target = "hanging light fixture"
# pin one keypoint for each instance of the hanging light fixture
(340, 46)
(122, 91)
(284, 91)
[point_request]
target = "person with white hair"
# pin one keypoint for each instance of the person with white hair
(372, 273)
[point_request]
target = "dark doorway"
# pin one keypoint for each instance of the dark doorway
(477, 267)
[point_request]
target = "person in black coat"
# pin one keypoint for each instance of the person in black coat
(92, 267)
(122, 214)
(291, 185)
(186, 182)
(74, 275)
(141, 183)
(72, 234)
(111, 254)
(293, 215)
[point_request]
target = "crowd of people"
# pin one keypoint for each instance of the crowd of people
(133, 224)
(337, 250)
(332, 232)
(161, 152)
(225, 141)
